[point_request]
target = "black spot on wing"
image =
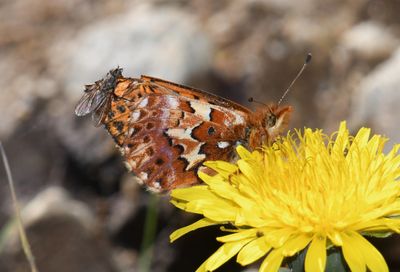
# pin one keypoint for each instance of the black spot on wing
(115, 138)
(159, 161)
(150, 151)
(111, 114)
(132, 145)
(118, 125)
(121, 109)
(211, 131)
(146, 139)
(149, 125)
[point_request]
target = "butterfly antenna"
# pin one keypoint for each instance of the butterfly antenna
(251, 100)
(307, 61)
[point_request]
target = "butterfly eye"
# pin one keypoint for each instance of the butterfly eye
(271, 120)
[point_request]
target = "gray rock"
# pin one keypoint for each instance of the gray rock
(160, 41)
(369, 41)
(359, 50)
(125, 205)
(62, 236)
(19, 93)
(376, 101)
(28, 29)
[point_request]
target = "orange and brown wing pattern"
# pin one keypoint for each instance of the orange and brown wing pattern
(165, 137)
(194, 94)
(166, 131)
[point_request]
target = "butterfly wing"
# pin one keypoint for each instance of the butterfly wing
(166, 130)
(165, 133)
(194, 94)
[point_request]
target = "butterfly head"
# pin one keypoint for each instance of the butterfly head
(276, 120)
(269, 121)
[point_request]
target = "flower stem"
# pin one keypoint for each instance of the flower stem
(21, 230)
(150, 228)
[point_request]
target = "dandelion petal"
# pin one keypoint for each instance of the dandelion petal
(223, 254)
(243, 152)
(244, 234)
(351, 253)
(316, 255)
(295, 245)
(272, 262)
(253, 251)
(373, 257)
(196, 225)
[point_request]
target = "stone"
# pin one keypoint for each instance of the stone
(369, 41)
(376, 100)
(160, 41)
(164, 42)
(62, 234)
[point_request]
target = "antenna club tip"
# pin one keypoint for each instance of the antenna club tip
(308, 58)
(251, 99)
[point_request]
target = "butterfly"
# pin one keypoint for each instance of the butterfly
(166, 130)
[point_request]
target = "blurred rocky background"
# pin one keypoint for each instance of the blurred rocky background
(83, 211)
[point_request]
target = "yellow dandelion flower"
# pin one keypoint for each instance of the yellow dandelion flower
(315, 192)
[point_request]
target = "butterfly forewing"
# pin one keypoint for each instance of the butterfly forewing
(194, 94)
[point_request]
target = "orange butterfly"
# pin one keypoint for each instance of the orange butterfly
(166, 131)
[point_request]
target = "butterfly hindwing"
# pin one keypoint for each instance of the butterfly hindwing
(169, 136)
